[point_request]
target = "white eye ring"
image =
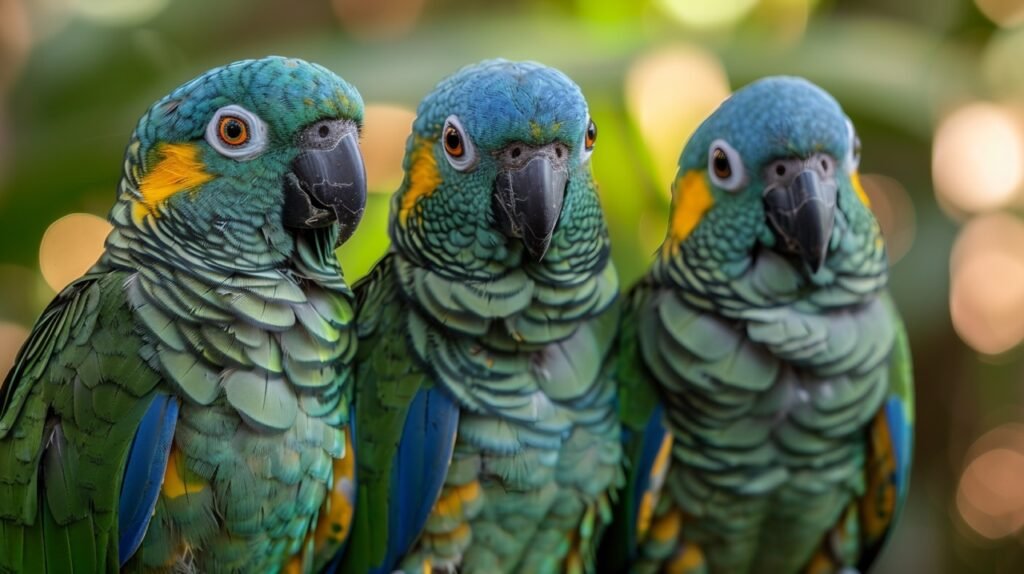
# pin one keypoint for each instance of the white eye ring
(725, 166)
(458, 148)
(255, 131)
(853, 154)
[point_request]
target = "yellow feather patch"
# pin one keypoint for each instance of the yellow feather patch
(335, 519)
(423, 178)
(295, 565)
(179, 169)
(655, 481)
(689, 560)
(859, 189)
(667, 527)
(178, 479)
(878, 503)
(455, 497)
(691, 199)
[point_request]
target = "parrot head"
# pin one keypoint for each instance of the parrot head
(255, 148)
(497, 151)
(775, 166)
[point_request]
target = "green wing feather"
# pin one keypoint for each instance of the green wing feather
(68, 411)
(387, 381)
(638, 403)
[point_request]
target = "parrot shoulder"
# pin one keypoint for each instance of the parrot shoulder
(70, 410)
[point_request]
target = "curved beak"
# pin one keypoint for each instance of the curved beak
(802, 213)
(327, 183)
(528, 198)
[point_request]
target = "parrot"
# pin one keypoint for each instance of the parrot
(764, 374)
(185, 405)
(486, 426)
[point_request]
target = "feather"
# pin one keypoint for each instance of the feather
(144, 473)
(421, 465)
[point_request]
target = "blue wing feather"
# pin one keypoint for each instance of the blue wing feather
(901, 432)
(420, 469)
(144, 473)
(653, 436)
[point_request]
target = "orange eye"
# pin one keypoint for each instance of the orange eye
(233, 130)
(591, 135)
(453, 142)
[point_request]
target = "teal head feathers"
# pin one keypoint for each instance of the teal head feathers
(499, 152)
(774, 167)
(232, 162)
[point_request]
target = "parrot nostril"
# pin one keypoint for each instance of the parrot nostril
(325, 131)
(516, 152)
(780, 170)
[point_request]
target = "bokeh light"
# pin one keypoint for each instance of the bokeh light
(894, 211)
(987, 285)
(707, 14)
(70, 246)
(12, 337)
(668, 93)
(1006, 13)
(990, 496)
(385, 130)
(976, 157)
(120, 12)
(787, 19)
(380, 19)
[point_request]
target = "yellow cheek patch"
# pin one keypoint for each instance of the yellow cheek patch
(178, 479)
(179, 169)
(423, 178)
(859, 189)
(691, 199)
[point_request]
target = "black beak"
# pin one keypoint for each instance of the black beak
(802, 214)
(528, 196)
(327, 182)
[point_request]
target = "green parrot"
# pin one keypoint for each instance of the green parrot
(184, 406)
(488, 437)
(764, 374)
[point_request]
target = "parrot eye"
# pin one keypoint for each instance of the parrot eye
(720, 163)
(237, 133)
(725, 166)
(589, 137)
(453, 142)
(853, 160)
(233, 131)
(457, 147)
